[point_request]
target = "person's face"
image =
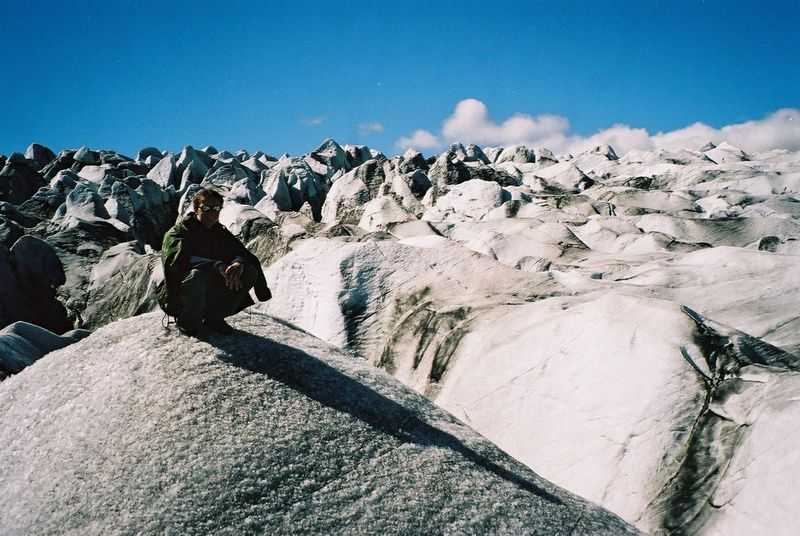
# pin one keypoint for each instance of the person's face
(208, 212)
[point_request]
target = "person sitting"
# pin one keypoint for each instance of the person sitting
(208, 272)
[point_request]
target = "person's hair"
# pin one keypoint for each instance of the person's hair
(204, 195)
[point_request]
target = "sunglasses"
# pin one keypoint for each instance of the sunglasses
(207, 208)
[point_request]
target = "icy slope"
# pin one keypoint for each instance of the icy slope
(668, 412)
(352, 293)
(135, 429)
(755, 291)
(575, 376)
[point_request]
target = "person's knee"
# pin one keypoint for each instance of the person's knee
(194, 287)
(196, 278)
(249, 276)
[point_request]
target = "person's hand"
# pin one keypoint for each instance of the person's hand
(233, 276)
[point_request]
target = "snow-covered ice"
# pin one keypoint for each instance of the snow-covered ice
(140, 430)
(625, 325)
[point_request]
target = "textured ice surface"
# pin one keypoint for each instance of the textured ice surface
(590, 382)
(140, 430)
(583, 361)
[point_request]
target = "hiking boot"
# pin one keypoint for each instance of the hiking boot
(219, 325)
(189, 332)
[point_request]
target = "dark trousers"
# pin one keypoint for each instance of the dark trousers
(205, 296)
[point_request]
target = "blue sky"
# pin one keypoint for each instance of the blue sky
(283, 76)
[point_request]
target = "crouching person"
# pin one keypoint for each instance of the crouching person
(208, 273)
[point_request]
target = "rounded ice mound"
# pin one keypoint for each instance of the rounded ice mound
(82, 203)
(134, 430)
(37, 264)
(22, 343)
(471, 199)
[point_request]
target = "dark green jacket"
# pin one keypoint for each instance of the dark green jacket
(189, 238)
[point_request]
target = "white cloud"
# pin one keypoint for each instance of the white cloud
(780, 130)
(470, 123)
(365, 129)
(621, 137)
(419, 139)
(692, 137)
(313, 121)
